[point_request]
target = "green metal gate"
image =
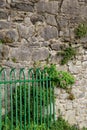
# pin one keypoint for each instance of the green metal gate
(26, 99)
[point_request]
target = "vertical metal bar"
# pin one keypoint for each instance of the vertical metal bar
(33, 85)
(53, 104)
(37, 97)
(0, 103)
(12, 76)
(24, 105)
(40, 98)
(50, 100)
(22, 76)
(47, 100)
(44, 96)
(0, 107)
(43, 85)
(20, 85)
(29, 93)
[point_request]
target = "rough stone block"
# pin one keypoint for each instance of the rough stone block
(3, 15)
(22, 7)
(4, 25)
(12, 35)
(2, 3)
(52, 7)
(51, 20)
(41, 7)
(40, 54)
(49, 32)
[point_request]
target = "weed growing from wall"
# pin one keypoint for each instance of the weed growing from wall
(81, 30)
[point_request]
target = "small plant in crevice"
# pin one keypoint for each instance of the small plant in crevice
(61, 124)
(71, 96)
(81, 30)
(0, 41)
(14, 59)
(67, 54)
(6, 40)
(60, 79)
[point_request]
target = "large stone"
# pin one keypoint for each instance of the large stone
(49, 32)
(51, 20)
(2, 3)
(70, 7)
(25, 32)
(41, 7)
(40, 54)
(52, 7)
(22, 7)
(20, 54)
(3, 15)
(4, 25)
(49, 7)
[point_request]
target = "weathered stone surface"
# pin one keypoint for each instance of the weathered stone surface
(25, 32)
(12, 35)
(24, 1)
(49, 32)
(70, 7)
(3, 15)
(35, 18)
(4, 25)
(38, 29)
(21, 55)
(4, 52)
(75, 69)
(51, 20)
(56, 46)
(40, 54)
(49, 7)
(52, 7)
(41, 7)
(2, 3)
(22, 7)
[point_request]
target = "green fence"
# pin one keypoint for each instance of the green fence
(26, 99)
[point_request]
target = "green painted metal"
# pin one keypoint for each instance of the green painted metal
(28, 99)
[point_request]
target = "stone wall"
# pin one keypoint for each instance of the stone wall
(33, 31)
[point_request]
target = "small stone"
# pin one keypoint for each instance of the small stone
(35, 18)
(56, 47)
(4, 52)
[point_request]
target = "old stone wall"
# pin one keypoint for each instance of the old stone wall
(33, 31)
